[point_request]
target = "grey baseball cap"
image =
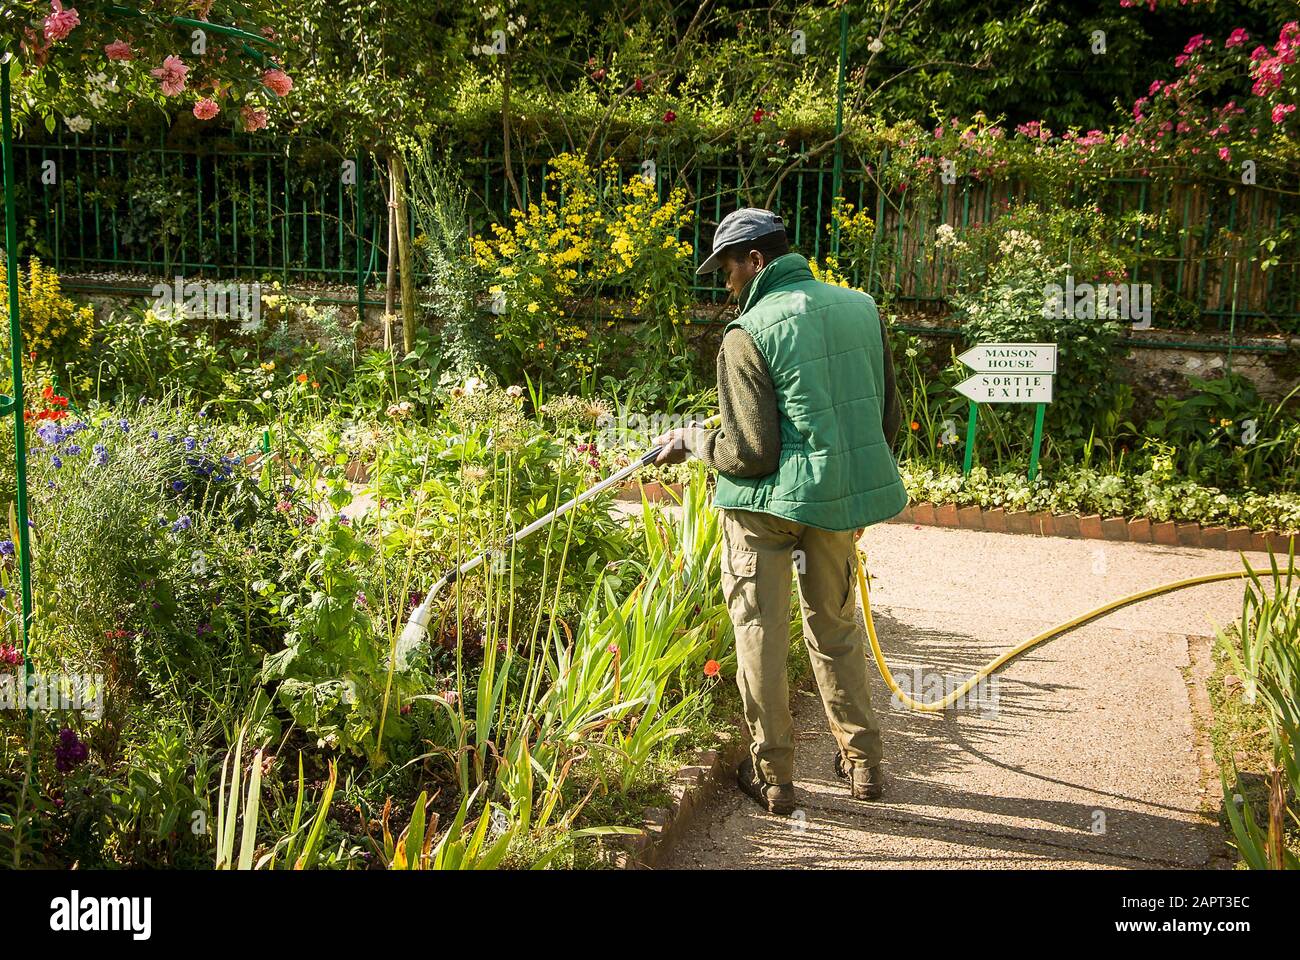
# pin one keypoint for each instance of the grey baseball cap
(747, 223)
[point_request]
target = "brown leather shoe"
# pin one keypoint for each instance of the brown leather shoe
(775, 798)
(865, 783)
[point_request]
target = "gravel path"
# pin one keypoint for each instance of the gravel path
(1082, 753)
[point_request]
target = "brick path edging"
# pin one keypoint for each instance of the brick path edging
(663, 826)
(1095, 527)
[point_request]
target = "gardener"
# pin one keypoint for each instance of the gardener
(804, 462)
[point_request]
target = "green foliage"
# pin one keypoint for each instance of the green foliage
(1268, 661)
(1073, 489)
(331, 675)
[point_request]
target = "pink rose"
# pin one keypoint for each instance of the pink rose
(206, 109)
(60, 22)
(119, 50)
(171, 75)
(1237, 38)
(1281, 110)
(253, 118)
(277, 81)
(1225, 154)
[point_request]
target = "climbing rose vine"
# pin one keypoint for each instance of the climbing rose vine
(94, 59)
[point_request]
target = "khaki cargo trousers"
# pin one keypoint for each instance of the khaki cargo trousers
(758, 553)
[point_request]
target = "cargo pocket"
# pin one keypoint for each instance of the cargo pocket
(740, 584)
(849, 609)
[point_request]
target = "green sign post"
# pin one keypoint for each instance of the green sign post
(1008, 373)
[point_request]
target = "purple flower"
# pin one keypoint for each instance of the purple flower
(178, 485)
(57, 461)
(125, 425)
(6, 548)
(189, 443)
(182, 523)
(69, 752)
(101, 455)
(153, 434)
(73, 449)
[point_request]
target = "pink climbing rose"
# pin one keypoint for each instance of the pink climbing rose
(172, 75)
(206, 109)
(1225, 154)
(119, 50)
(277, 81)
(1281, 110)
(254, 119)
(1237, 38)
(60, 22)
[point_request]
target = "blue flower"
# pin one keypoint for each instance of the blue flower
(6, 548)
(153, 434)
(189, 443)
(50, 433)
(73, 449)
(125, 425)
(178, 485)
(101, 455)
(182, 523)
(57, 461)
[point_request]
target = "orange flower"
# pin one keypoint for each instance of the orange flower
(315, 384)
(302, 378)
(711, 668)
(915, 425)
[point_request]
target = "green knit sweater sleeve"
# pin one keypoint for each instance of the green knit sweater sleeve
(749, 442)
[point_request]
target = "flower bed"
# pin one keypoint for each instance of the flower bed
(1080, 491)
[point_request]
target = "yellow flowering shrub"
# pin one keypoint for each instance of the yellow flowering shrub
(587, 237)
(857, 233)
(54, 327)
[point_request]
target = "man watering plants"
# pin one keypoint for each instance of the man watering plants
(804, 462)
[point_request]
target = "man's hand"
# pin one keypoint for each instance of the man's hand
(674, 447)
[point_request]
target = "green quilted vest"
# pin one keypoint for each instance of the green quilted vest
(823, 351)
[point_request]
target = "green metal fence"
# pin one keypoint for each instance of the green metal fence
(299, 211)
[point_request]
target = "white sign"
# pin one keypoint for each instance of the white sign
(1007, 388)
(1011, 358)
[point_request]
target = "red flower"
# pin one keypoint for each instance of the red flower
(759, 115)
(711, 668)
(669, 116)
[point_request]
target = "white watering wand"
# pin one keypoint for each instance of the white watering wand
(417, 626)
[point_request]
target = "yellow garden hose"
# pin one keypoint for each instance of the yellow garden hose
(1007, 655)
